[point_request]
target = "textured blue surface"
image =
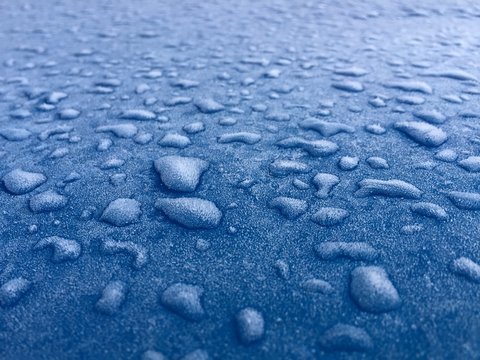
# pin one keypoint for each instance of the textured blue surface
(238, 180)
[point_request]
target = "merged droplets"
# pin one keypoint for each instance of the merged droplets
(388, 188)
(290, 208)
(119, 130)
(313, 147)
(423, 133)
(326, 128)
(63, 249)
(410, 85)
(136, 251)
(325, 183)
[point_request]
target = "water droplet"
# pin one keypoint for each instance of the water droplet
(372, 290)
(122, 212)
(184, 300)
(250, 325)
(193, 213)
(63, 249)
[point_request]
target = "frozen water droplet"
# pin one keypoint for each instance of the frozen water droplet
(112, 163)
(242, 137)
(13, 290)
(465, 200)
(291, 208)
(376, 162)
(346, 338)
(317, 286)
(138, 252)
(184, 300)
(208, 105)
(313, 147)
(20, 182)
(348, 163)
(286, 167)
(63, 249)
(375, 129)
(447, 155)
(277, 116)
(119, 130)
(194, 128)
(153, 355)
(354, 71)
(282, 269)
(68, 114)
(388, 188)
(193, 213)
(349, 86)
(55, 97)
(122, 212)
(227, 121)
(330, 216)
(175, 141)
(372, 290)
(138, 114)
(250, 325)
(467, 268)
(430, 210)
(300, 185)
(410, 85)
(431, 116)
(198, 354)
(423, 133)
(178, 100)
(350, 250)
(471, 164)
(113, 296)
(325, 128)
(15, 134)
(47, 201)
(325, 183)
(180, 173)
